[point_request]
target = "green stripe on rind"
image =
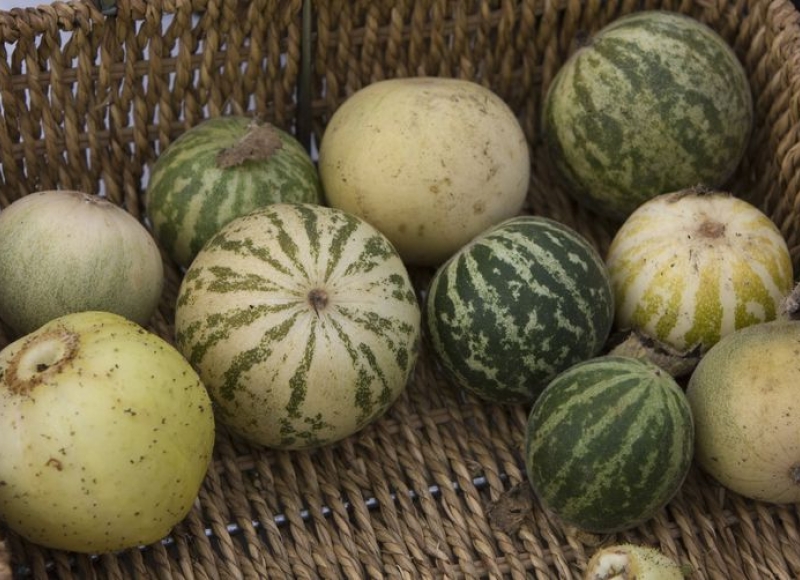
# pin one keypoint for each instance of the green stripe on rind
(656, 102)
(609, 443)
(189, 198)
(519, 304)
(258, 294)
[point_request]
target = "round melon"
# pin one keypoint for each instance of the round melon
(220, 169)
(609, 443)
(107, 434)
(430, 162)
(689, 267)
(654, 102)
(65, 251)
(744, 395)
(302, 323)
(520, 303)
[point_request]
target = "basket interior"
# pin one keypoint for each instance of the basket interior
(436, 488)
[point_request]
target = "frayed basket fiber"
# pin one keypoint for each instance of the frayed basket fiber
(91, 93)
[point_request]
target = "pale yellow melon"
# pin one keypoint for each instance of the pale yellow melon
(745, 398)
(430, 162)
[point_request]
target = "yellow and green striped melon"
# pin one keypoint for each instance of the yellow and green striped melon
(654, 102)
(609, 443)
(689, 267)
(301, 321)
(220, 169)
(520, 303)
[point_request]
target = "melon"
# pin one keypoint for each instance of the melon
(107, 434)
(430, 162)
(689, 267)
(220, 169)
(654, 102)
(65, 251)
(632, 561)
(609, 443)
(744, 395)
(302, 322)
(520, 303)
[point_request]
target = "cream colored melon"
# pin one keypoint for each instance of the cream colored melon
(430, 162)
(745, 398)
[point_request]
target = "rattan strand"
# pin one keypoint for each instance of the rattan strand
(436, 489)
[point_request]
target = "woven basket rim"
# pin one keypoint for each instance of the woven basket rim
(437, 487)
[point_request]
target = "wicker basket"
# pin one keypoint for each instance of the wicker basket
(436, 488)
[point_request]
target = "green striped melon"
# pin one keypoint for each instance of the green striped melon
(221, 169)
(689, 267)
(609, 443)
(301, 321)
(654, 102)
(520, 303)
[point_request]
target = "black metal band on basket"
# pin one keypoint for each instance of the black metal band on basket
(107, 7)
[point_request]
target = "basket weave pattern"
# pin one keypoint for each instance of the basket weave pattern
(436, 488)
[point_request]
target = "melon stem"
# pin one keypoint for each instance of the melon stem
(711, 229)
(613, 565)
(40, 357)
(318, 299)
(260, 143)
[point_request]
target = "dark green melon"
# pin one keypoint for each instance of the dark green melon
(609, 443)
(221, 169)
(520, 303)
(655, 102)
